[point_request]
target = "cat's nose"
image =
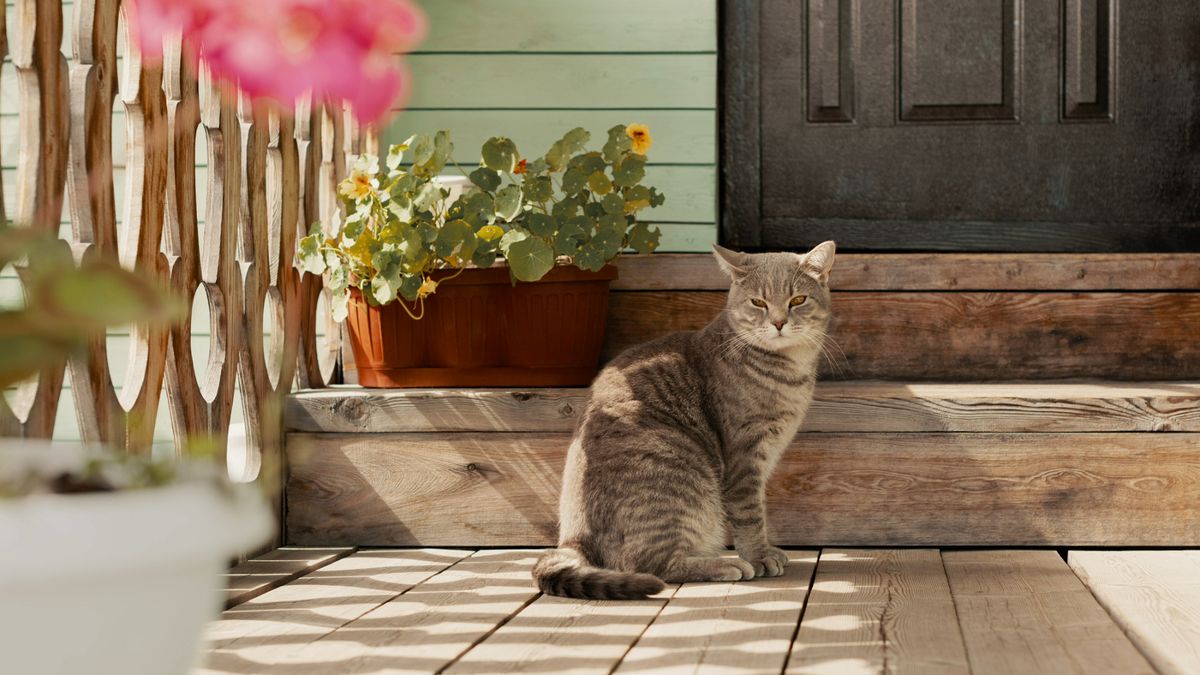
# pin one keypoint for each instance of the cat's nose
(779, 325)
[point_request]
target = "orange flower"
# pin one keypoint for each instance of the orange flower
(640, 135)
(520, 167)
(356, 186)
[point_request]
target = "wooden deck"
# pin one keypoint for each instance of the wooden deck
(834, 611)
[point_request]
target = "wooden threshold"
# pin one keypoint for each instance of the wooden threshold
(838, 407)
(833, 611)
(940, 272)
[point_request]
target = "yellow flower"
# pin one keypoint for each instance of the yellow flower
(428, 287)
(640, 135)
(356, 186)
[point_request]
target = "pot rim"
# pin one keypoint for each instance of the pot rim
(118, 533)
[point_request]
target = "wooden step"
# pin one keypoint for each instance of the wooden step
(1082, 406)
(963, 317)
(1028, 464)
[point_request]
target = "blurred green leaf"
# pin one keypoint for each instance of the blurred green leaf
(499, 154)
(382, 291)
(485, 178)
(511, 237)
(589, 257)
(618, 143)
(421, 148)
(599, 184)
(311, 258)
(508, 202)
(409, 285)
(573, 181)
(642, 239)
(529, 259)
(538, 188)
(540, 224)
(630, 171)
(572, 142)
(571, 234)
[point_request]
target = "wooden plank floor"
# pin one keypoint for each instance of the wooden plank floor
(836, 611)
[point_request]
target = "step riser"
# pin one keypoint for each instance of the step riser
(862, 489)
(965, 336)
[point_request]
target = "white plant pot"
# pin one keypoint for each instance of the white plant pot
(119, 582)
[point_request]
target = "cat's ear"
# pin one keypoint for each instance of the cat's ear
(735, 265)
(819, 261)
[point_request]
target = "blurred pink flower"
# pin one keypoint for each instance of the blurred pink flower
(284, 49)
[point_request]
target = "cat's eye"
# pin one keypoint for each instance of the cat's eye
(797, 301)
(761, 304)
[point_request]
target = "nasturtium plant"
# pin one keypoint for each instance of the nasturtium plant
(571, 206)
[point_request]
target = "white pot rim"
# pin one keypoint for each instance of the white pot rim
(94, 534)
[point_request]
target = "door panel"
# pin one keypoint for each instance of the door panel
(1053, 125)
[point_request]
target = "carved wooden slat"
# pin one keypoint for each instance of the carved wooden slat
(93, 88)
(140, 236)
(41, 178)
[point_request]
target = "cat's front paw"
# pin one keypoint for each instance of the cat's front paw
(768, 562)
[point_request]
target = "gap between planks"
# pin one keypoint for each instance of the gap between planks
(281, 566)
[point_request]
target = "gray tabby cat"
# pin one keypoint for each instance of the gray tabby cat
(681, 433)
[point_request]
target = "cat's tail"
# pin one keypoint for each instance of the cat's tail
(565, 572)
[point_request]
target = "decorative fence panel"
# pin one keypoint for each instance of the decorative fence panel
(270, 173)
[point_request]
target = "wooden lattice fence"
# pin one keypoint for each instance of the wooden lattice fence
(270, 173)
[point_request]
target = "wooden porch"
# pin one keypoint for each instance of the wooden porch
(834, 611)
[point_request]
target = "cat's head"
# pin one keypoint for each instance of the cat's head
(778, 300)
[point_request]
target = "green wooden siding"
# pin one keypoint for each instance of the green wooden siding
(533, 69)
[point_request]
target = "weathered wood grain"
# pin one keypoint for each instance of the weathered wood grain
(940, 272)
(885, 611)
(264, 634)
(965, 336)
(41, 74)
(564, 635)
(1154, 596)
(732, 627)
(430, 625)
(1025, 613)
(907, 489)
(837, 407)
(258, 575)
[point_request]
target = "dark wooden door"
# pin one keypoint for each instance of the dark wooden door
(1010, 125)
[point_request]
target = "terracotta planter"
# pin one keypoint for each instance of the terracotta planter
(481, 331)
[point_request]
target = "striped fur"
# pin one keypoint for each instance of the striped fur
(679, 436)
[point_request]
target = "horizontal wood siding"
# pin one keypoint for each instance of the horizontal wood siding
(533, 69)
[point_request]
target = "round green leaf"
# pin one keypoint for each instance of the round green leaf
(530, 259)
(499, 154)
(485, 178)
(508, 202)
